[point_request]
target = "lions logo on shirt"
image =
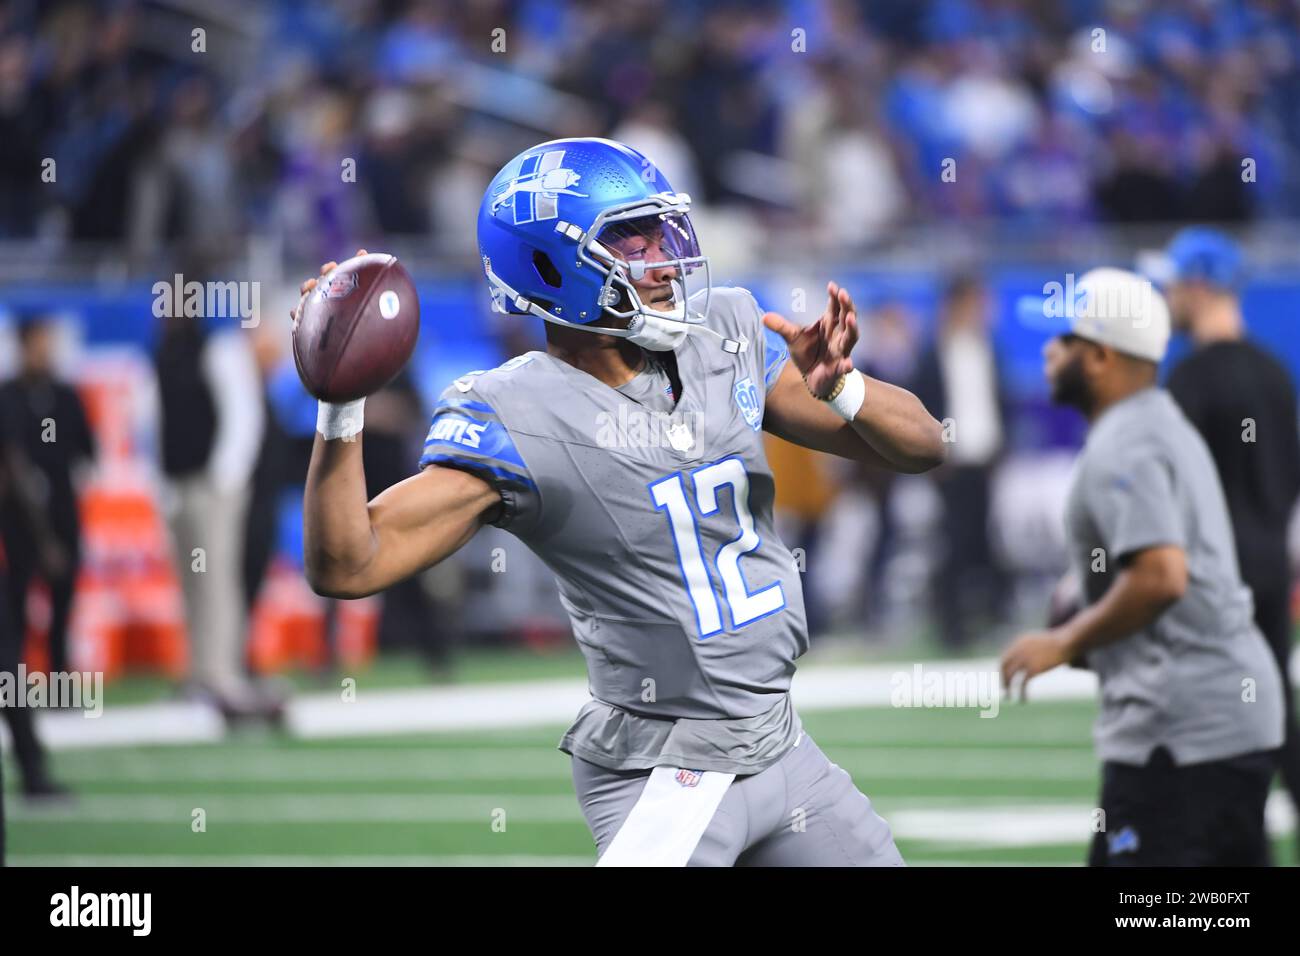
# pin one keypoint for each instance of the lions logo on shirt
(1125, 841)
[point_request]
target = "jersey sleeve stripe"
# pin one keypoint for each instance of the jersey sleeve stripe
(775, 355)
(464, 405)
(496, 473)
(506, 458)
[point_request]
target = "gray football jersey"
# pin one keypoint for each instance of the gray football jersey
(1199, 679)
(658, 526)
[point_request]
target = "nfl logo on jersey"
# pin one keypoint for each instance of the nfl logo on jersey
(748, 403)
(689, 778)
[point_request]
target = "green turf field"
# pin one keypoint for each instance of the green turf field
(957, 788)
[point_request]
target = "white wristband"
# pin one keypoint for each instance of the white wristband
(851, 396)
(340, 421)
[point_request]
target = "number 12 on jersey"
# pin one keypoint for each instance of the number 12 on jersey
(744, 607)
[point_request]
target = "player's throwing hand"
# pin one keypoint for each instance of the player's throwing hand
(821, 351)
(310, 284)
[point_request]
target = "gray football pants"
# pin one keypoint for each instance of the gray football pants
(801, 811)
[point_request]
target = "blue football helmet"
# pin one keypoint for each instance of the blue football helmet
(544, 229)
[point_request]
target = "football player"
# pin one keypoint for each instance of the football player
(629, 457)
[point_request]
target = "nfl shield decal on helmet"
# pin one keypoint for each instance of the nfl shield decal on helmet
(689, 778)
(535, 189)
(748, 402)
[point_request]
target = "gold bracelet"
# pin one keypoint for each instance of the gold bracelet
(835, 392)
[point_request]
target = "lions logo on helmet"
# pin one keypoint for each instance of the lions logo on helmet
(550, 249)
(535, 191)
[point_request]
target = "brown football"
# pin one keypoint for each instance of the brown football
(357, 328)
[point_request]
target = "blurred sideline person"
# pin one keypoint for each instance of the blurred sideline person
(805, 492)
(20, 490)
(408, 616)
(211, 420)
(1243, 402)
(856, 533)
(664, 551)
(46, 419)
(1191, 707)
(957, 378)
(271, 473)
(889, 351)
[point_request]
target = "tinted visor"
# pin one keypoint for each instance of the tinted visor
(653, 240)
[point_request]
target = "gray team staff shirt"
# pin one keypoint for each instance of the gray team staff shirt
(656, 518)
(1200, 680)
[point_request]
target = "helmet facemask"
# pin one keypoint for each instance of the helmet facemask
(613, 248)
(650, 235)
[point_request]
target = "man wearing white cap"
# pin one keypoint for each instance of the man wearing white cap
(1191, 704)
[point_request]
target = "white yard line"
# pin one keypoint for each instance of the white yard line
(522, 704)
(1029, 824)
(925, 861)
(485, 707)
(437, 709)
(251, 765)
(280, 809)
(130, 725)
(351, 764)
(487, 860)
(1007, 825)
(166, 860)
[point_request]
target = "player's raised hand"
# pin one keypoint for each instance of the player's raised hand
(310, 284)
(821, 351)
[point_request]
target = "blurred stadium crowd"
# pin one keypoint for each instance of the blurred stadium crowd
(824, 126)
(1053, 112)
